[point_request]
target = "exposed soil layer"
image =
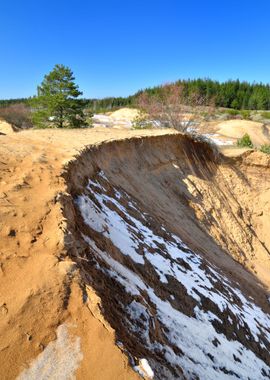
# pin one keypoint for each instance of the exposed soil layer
(195, 194)
(218, 205)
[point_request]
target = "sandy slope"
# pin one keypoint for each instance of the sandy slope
(5, 128)
(218, 209)
(119, 119)
(36, 294)
(233, 130)
(125, 113)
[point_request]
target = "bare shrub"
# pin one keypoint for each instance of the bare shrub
(18, 115)
(170, 107)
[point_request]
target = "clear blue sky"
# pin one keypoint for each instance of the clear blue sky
(117, 47)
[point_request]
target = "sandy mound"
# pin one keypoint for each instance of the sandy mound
(119, 249)
(119, 119)
(125, 113)
(235, 129)
(5, 128)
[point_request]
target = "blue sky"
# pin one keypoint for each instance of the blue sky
(117, 47)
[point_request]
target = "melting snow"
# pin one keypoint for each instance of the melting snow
(216, 138)
(144, 369)
(206, 353)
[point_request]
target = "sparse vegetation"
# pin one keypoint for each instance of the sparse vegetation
(265, 115)
(169, 107)
(141, 122)
(146, 125)
(245, 142)
(18, 115)
(232, 112)
(243, 114)
(246, 114)
(265, 148)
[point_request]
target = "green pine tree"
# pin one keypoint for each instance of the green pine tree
(57, 104)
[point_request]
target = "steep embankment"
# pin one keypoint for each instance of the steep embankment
(155, 232)
(141, 236)
(216, 204)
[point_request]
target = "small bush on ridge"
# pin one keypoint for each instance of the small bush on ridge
(245, 142)
(265, 148)
(265, 115)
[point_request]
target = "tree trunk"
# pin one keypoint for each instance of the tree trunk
(61, 118)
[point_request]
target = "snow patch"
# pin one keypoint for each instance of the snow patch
(206, 353)
(144, 369)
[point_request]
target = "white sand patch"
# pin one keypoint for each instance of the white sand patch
(58, 361)
(217, 139)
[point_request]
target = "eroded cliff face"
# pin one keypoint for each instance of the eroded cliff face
(216, 204)
(161, 225)
(148, 256)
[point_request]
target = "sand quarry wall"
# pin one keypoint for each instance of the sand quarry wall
(219, 206)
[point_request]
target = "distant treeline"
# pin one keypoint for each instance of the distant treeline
(8, 102)
(94, 105)
(107, 104)
(230, 94)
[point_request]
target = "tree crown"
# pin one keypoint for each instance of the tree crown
(56, 103)
(59, 81)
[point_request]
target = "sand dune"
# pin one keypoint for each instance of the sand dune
(235, 129)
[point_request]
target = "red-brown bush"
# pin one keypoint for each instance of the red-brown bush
(18, 115)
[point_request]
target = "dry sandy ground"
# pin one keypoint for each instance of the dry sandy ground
(222, 132)
(233, 130)
(120, 119)
(5, 128)
(39, 285)
(41, 288)
(125, 113)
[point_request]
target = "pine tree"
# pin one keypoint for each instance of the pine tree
(57, 103)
